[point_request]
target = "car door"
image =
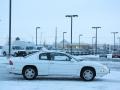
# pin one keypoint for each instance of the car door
(43, 63)
(62, 64)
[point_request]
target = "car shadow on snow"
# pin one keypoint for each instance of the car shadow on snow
(58, 79)
(76, 79)
(20, 78)
(106, 80)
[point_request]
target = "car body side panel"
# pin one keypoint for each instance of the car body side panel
(63, 68)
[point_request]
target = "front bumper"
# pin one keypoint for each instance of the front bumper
(102, 71)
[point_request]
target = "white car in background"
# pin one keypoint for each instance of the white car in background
(15, 51)
(31, 49)
(41, 48)
(51, 63)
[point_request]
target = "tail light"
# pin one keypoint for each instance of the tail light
(10, 62)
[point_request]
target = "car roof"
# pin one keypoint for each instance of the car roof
(47, 51)
(51, 51)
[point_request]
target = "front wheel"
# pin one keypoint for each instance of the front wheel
(88, 74)
(29, 73)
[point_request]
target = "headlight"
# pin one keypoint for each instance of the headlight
(104, 69)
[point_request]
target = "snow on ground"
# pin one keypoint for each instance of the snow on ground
(3, 60)
(16, 82)
(106, 83)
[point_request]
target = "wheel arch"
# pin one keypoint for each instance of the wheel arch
(85, 67)
(33, 66)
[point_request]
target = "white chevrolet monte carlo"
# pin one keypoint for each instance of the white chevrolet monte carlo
(51, 63)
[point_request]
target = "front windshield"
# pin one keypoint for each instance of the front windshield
(76, 59)
(16, 48)
(29, 48)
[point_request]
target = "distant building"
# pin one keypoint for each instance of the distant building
(60, 44)
(67, 45)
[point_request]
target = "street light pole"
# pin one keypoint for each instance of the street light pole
(96, 39)
(92, 45)
(114, 33)
(119, 42)
(56, 38)
(63, 39)
(71, 16)
(79, 40)
(10, 12)
(36, 34)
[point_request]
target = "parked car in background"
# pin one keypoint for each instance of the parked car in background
(116, 54)
(103, 55)
(51, 63)
(31, 49)
(41, 48)
(1, 47)
(15, 51)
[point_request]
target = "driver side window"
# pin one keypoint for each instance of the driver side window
(60, 57)
(44, 56)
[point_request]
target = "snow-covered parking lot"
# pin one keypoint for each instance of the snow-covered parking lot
(16, 82)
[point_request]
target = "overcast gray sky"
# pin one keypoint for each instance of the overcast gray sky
(49, 14)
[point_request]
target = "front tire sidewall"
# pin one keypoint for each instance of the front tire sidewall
(25, 76)
(87, 69)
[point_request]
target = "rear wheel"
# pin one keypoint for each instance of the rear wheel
(4, 54)
(88, 74)
(29, 73)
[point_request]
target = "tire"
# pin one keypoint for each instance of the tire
(15, 54)
(88, 74)
(4, 53)
(25, 54)
(29, 73)
(113, 57)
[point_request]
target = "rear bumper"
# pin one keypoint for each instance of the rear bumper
(11, 69)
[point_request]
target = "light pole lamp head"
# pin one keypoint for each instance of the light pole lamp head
(37, 27)
(71, 16)
(68, 16)
(74, 15)
(96, 27)
(64, 32)
(114, 32)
